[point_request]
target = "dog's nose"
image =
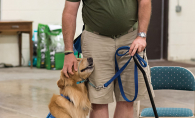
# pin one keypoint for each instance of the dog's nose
(90, 60)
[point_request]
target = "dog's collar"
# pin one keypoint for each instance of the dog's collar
(66, 97)
(83, 80)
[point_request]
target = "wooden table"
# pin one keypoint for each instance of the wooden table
(18, 27)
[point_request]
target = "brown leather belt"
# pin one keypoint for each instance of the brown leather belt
(111, 36)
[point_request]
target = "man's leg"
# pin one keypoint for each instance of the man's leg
(102, 50)
(124, 110)
(99, 111)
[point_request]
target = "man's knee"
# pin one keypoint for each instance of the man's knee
(99, 111)
(99, 106)
(124, 104)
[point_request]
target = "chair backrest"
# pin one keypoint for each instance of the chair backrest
(172, 77)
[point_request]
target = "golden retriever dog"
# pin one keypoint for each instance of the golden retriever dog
(79, 104)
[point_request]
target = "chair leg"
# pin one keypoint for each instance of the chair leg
(194, 103)
(136, 109)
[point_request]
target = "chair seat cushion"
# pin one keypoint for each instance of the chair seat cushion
(167, 112)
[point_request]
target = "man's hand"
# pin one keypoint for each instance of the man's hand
(70, 61)
(144, 13)
(138, 45)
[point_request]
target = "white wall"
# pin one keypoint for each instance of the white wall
(38, 11)
(181, 45)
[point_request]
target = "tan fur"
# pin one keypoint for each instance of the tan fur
(80, 106)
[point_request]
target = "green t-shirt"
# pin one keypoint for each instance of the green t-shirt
(109, 17)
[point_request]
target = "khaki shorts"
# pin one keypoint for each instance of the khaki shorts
(102, 50)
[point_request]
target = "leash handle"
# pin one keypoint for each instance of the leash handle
(117, 75)
(143, 63)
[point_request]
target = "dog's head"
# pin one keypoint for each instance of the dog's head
(85, 68)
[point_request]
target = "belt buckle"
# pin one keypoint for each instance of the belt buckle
(114, 36)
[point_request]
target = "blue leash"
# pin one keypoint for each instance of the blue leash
(117, 75)
(119, 71)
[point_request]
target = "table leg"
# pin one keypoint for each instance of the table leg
(20, 48)
(31, 48)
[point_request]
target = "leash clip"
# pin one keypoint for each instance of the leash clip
(100, 87)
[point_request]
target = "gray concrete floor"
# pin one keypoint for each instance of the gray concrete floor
(25, 93)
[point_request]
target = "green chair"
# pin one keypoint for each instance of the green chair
(174, 78)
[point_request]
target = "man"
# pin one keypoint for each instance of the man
(109, 24)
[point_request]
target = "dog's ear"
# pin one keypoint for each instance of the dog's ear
(61, 81)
